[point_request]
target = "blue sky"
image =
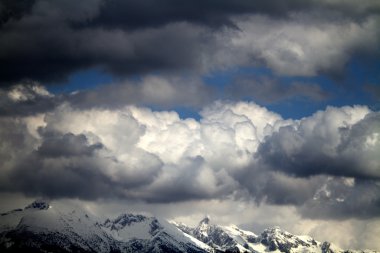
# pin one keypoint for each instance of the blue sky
(348, 89)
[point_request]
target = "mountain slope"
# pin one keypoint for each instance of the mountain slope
(44, 228)
(233, 239)
(151, 234)
(41, 227)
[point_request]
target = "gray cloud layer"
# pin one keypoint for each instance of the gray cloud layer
(48, 40)
(266, 90)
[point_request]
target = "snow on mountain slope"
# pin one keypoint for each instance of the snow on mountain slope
(222, 238)
(233, 239)
(157, 232)
(41, 226)
(61, 227)
(277, 240)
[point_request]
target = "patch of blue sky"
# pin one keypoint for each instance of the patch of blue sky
(82, 80)
(348, 90)
(344, 91)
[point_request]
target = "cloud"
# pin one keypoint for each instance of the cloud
(120, 52)
(66, 145)
(47, 41)
(236, 150)
(26, 98)
(162, 91)
(342, 198)
(14, 10)
(303, 45)
(268, 90)
(340, 142)
(133, 152)
(122, 14)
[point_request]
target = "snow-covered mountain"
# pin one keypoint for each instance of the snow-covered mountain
(233, 239)
(41, 227)
(150, 234)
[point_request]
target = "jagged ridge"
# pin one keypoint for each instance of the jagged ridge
(41, 227)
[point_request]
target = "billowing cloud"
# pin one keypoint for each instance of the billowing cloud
(303, 45)
(236, 150)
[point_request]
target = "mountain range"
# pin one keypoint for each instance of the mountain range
(41, 227)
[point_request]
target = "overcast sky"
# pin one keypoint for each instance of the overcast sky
(258, 113)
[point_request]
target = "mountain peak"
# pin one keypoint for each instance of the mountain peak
(39, 204)
(27, 230)
(205, 220)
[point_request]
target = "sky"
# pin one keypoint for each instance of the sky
(257, 113)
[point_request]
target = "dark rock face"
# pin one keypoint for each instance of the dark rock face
(213, 236)
(326, 247)
(39, 204)
(125, 220)
(155, 227)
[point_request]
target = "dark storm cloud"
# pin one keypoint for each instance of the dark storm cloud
(78, 179)
(277, 188)
(184, 184)
(298, 152)
(10, 9)
(58, 165)
(341, 201)
(44, 46)
(150, 13)
(315, 197)
(66, 145)
(66, 166)
(137, 15)
(14, 140)
(49, 40)
(53, 55)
